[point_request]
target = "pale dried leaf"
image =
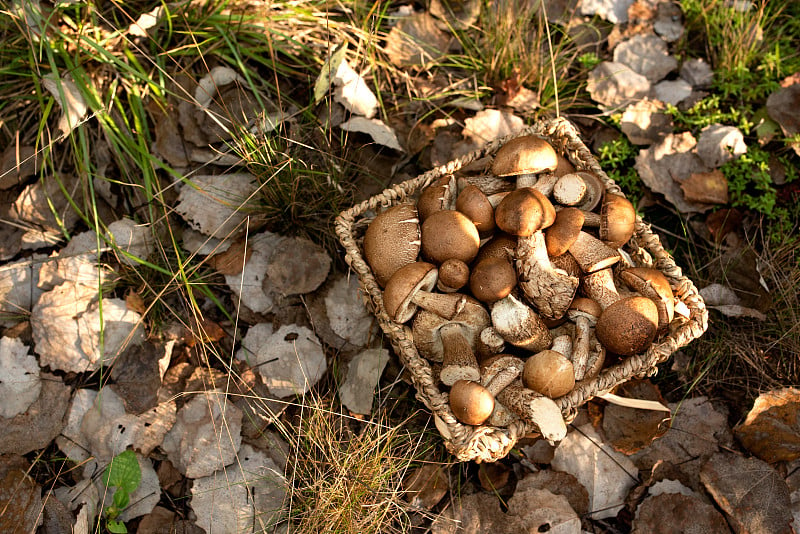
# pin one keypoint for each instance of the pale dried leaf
(425, 486)
(134, 239)
(727, 302)
(353, 92)
(213, 204)
(69, 97)
(783, 107)
(706, 188)
(376, 129)
(491, 124)
(145, 22)
(363, 372)
(543, 511)
(631, 429)
(71, 441)
(645, 122)
(672, 91)
(697, 72)
(673, 513)
(297, 266)
(614, 11)
(606, 474)
(249, 284)
(17, 163)
(232, 260)
(557, 482)
(646, 55)
(155, 424)
(44, 204)
(752, 494)
(211, 83)
(719, 144)
(20, 384)
(205, 436)
(82, 495)
(772, 428)
(246, 496)
(106, 428)
(346, 313)
(42, 422)
(416, 41)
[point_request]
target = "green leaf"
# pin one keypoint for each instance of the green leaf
(329, 68)
(123, 472)
(117, 527)
(121, 499)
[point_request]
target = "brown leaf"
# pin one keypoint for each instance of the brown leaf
(630, 429)
(493, 476)
(135, 302)
(416, 40)
(43, 421)
(674, 513)
(706, 187)
(20, 503)
(559, 483)
(204, 331)
(426, 486)
(772, 428)
(722, 222)
(754, 497)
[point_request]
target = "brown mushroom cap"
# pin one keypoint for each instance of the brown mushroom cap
(449, 234)
(453, 275)
(522, 212)
(492, 279)
(549, 373)
(628, 326)
(502, 245)
(392, 240)
(472, 404)
(564, 231)
(527, 154)
(400, 289)
(618, 220)
(436, 197)
(565, 166)
(652, 283)
(476, 206)
(587, 307)
(472, 319)
(567, 263)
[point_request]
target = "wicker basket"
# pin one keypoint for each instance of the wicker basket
(486, 443)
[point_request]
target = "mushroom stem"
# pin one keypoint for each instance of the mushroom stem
(549, 289)
(536, 409)
(519, 325)
(490, 342)
(446, 305)
(599, 286)
(580, 353)
(459, 362)
(563, 344)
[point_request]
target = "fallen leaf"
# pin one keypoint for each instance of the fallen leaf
(357, 390)
(606, 474)
(346, 313)
(493, 476)
(491, 124)
(719, 144)
(232, 260)
(20, 500)
(669, 21)
(415, 41)
(297, 266)
(205, 436)
(673, 513)
(216, 204)
(542, 511)
(19, 289)
(630, 429)
(71, 442)
(752, 494)
(645, 122)
(771, 430)
(145, 22)
(353, 92)
(45, 205)
(163, 521)
(697, 72)
(247, 496)
(646, 55)
(41, 423)
(706, 188)
(135, 241)
(376, 129)
(722, 222)
(783, 105)
(137, 377)
(331, 65)
(425, 486)
(672, 91)
(614, 11)
(559, 483)
(459, 15)
(727, 302)
(20, 383)
(615, 85)
(17, 164)
(155, 423)
(56, 518)
(69, 98)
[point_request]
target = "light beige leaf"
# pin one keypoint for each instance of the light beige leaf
(772, 428)
(43, 420)
(215, 204)
(673, 513)
(706, 188)
(145, 22)
(491, 124)
(425, 486)
(380, 132)
(69, 97)
(20, 384)
(353, 92)
(630, 429)
(416, 41)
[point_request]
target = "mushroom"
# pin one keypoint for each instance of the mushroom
(550, 373)
(526, 154)
(569, 190)
(584, 313)
(452, 341)
(492, 279)
(566, 263)
(563, 344)
(652, 283)
(599, 286)
(498, 372)
(564, 231)
(519, 325)
(392, 240)
(472, 404)
(523, 212)
(628, 326)
(440, 195)
(592, 254)
(449, 234)
(453, 275)
(616, 220)
(476, 206)
(536, 409)
(597, 357)
(501, 245)
(490, 342)
(411, 286)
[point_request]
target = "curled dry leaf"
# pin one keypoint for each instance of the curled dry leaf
(772, 428)
(69, 98)
(214, 204)
(754, 497)
(20, 384)
(246, 496)
(425, 486)
(416, 41)
(376, 129)
(353, 92)
(631, 429)
(727, 302)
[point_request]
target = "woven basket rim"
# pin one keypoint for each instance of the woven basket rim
(485, 443)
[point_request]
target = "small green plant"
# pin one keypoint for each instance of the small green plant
(711, 110)
(617, 159)
(124, 474)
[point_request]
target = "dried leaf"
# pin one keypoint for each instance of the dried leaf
(752, 494)
(646, 55)
(493, 476)
(783, 107)
(673, 513)
(616, 86)
(135, 240)
(143, 498)
(215, 204)
(297, 266)
(69, 97)
(232, 260)
(42, 422)
(606, 474)
(425, 486)
(719, 144)
(376, 129)
(20, 384)
(137, 376)
(645, 122)
(543, 511)
(491, 124)
(722, 222)
(353, 92)
(17, 163)
(146, 21)
(772, 428)
(614, 11)
(727, 302)
(363, 373)
(629, 429)
(557, 482)
(346, 313)
(18, 288)
(416, 41)
(456, 14)
(20, 501)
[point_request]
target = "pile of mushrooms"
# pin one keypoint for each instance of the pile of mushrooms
(515, 284)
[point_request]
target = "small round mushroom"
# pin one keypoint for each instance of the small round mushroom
(564, 231)
(497, 373)
(440, 195)
(449, 234)
(453, 275)
(472, 404)
(594, 191)
(616, 220)
(492, 279)
(501, 245)
(521, 212)
(584, 313)
(569, 190)
(392, 240)
(652, 283)
(476, 206)
(628, 326)
(526, 154)
(549, 373)
(411, 286)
